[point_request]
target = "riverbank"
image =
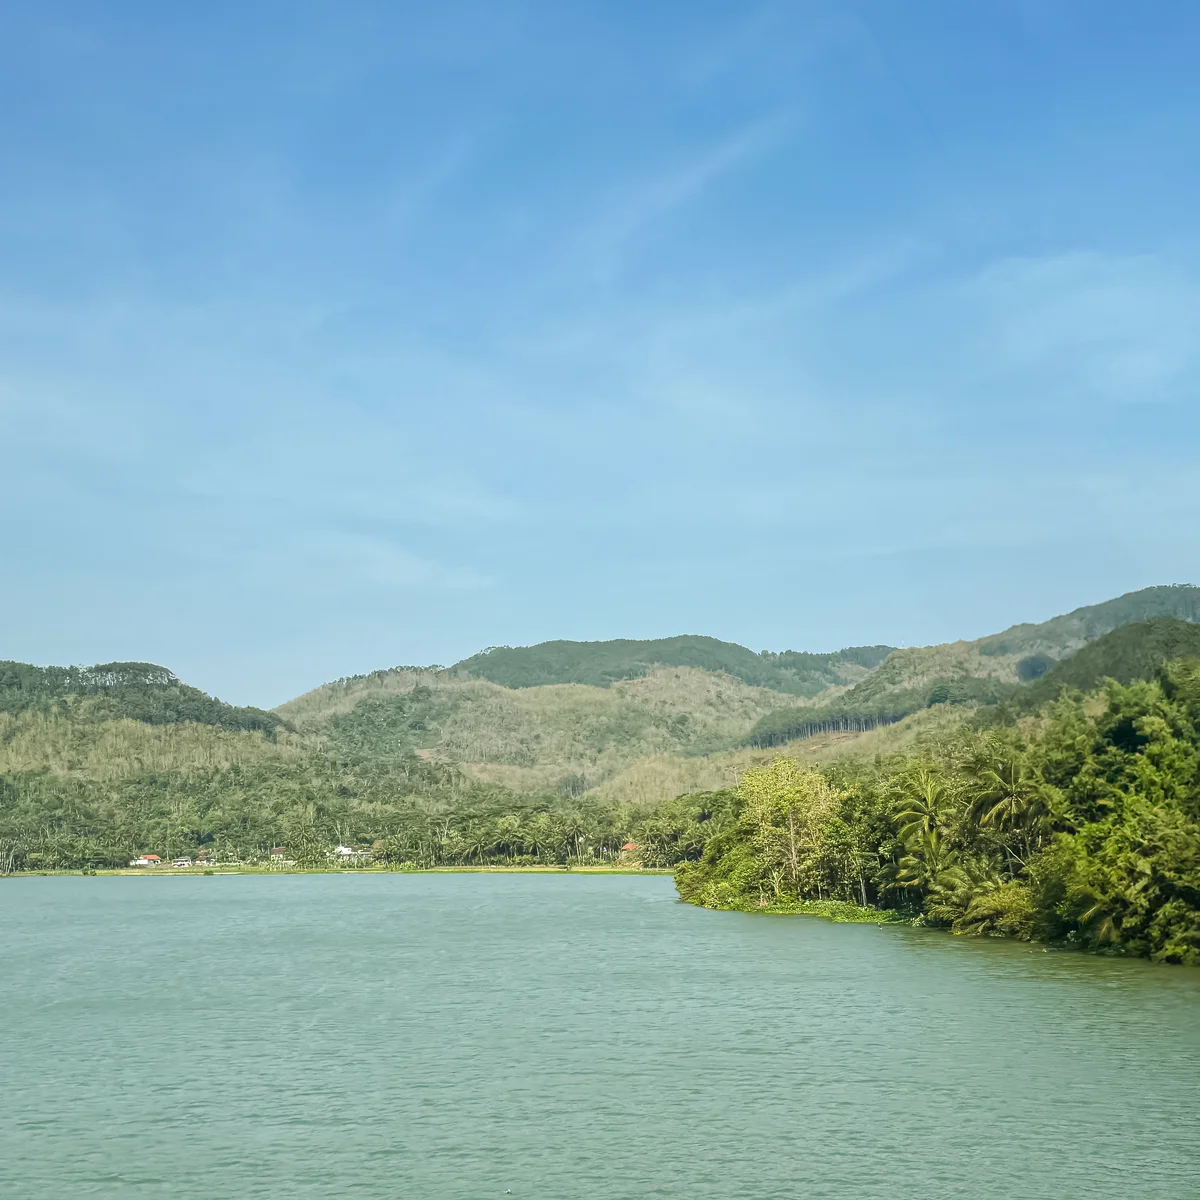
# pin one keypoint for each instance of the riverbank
(290, 869)
(832, 910)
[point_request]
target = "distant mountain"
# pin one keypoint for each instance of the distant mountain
(1061, 636)
(987, 671)
(99, 763)
(503, 709)
(1131, 652)
(137, 691)
(600, 664)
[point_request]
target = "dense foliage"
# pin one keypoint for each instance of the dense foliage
(895, 691)
(138, 691)
(900, 688)
(1076, 821)
(1128, 653)
(111, 795)
(602, 663)
(1081, 826)
(407, 813)
(1060, 635)
(862, 709)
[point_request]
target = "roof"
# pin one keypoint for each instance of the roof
(151, 858)
(629, 846)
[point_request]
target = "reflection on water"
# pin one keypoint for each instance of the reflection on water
(471, 1035)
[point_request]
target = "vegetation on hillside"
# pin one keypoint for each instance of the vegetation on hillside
(523, 726)
(990, 671)
(1062, 636)
(565, 737)
(1080, 826)
(599, 664)
(1127, 653)
(315, 708)
(425, 767)
(649, 779)
(907, 682)
(80, 790)
(137, 691)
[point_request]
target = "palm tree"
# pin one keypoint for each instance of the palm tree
(509, 835)
(922, 803)
(478, 841)
(541, 838)
(928, 861)
(1005, 793)
(574, 833)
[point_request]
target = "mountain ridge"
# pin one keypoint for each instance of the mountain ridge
(99, 763)
(602, 663)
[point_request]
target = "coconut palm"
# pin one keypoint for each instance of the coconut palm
(1005, 793)
(922, 804)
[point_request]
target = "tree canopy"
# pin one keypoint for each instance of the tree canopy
(1080, 826)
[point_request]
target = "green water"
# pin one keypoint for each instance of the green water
(472, 1035)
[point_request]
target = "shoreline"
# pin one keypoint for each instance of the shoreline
(252, 869)
(838, 911)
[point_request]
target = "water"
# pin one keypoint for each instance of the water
(470, 1036)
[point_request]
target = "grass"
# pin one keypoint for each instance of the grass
(839, 911)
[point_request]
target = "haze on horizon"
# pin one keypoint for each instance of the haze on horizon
(333, 337)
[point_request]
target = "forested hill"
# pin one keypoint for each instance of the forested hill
(100, 763)
(1131, 652)
(990, 670)
(600, 664)
(1060, 636)
(137, 691)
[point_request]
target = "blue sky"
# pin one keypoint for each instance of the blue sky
(336, 336)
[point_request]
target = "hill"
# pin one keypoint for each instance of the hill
(599, 664)
(1126, 654)
(1061, 636)
(137, 691)
(565, 737)
(450, 765)
(987, 671)
(99, 764)
(570, 715)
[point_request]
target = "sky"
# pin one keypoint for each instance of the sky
(335, 336)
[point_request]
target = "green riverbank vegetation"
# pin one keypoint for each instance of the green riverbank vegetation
(997, 787)
(1080, 824)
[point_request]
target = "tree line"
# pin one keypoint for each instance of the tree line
(402, 811)
(1078, 825)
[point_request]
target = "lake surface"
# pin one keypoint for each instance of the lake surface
(566, 1036)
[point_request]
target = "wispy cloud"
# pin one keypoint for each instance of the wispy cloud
(637, 206)
(1116, 327)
